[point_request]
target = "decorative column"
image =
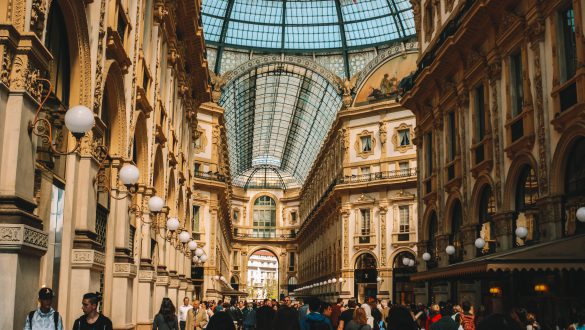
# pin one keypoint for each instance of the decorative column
(145, 309)
(22, 239)
(469, 235)
(385, 270)
(550, 224)
(442, 242)
(162, 274)
(503, 228)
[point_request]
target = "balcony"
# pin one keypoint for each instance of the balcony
(364, 241)
(568, 102)
(404, 239)
(247, 233)
(520, 133)
(405, 173)
(214, 176)
(115, 49)
(481, 154)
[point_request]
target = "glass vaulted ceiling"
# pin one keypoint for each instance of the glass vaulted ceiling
(303, 25)
(277, 116)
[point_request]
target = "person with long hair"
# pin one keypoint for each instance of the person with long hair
(221, 321)
(166, 319)
(399, 317)
(359, 321)
(287, 318)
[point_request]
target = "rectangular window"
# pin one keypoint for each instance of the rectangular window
(366, 143)
(365, 230)
(479, 113)
(404, 137)
(404, 211)
(291, 261)
(293, 217)
(568, 47)
(56, 230)
(516, 90)
(429, 153)
(404, 168)
(365, 170)
(235, 260)
(452, 136)
(197, 168)
(195, 223)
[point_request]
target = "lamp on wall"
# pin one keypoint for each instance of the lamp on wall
(541, 288)
(581, 214)
(496, 291)
(450, 250)
(78, 120)
(521, 232)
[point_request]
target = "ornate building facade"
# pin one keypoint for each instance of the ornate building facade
(498, 98)
(67, 220)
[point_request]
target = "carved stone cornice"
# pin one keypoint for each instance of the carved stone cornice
(127, 270)
(20, 237)
(88, 258)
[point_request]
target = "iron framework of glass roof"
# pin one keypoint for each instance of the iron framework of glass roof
(277, 116)
(305, 26)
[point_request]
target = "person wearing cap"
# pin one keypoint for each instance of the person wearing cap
(44, 317)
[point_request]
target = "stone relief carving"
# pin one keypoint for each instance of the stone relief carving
(37, 17)
(495, 69)
(6, 66)
(98, 91)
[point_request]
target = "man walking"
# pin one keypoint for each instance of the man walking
(44, 317)
(196, 317)
(183, 311)
(91, 318)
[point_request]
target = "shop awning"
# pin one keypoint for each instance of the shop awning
(563, 254)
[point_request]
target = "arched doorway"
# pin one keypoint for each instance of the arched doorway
(575, 187)
(262, 275)
(365, 274)
(403, 288)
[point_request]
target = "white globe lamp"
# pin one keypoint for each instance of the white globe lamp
(192, 245)
(79, 120)
(173, 224)
(196, 259)
(155, 204)
(184, 237)
(340, 280)
(426, 256)
(405, 261)
(410, 262)
(203, 258)
(199, 252)
(129, 174)
(521, 232)
(480, 243)
(334, 280)
(581, 214)
(450, 249)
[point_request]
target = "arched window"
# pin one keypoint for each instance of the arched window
(398, 262)
(455, 237)
(575, 187)
(525, 204)
(486, 210)
(366, 261)
(56, 43)
(432, 241)
(264, 217)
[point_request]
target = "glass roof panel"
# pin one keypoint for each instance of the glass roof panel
(315, 25)
(277, 115)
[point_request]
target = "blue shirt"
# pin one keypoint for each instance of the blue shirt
(43, 321)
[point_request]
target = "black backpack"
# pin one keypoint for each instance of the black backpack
(55, 319)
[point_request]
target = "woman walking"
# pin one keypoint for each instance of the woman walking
(359, 322)
(166, 319)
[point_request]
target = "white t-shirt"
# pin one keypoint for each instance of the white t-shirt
(183, 312)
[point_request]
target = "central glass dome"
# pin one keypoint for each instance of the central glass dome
(303, 25)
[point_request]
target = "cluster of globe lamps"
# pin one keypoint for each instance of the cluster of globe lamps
(320, 284)
(129, 175)
(521, 232)
(79, 120)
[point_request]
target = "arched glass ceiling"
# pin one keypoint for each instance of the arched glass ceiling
(277, 116)
(304, 25)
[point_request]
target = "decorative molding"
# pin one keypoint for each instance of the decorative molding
(124, 270)
(396, 143)
(87, 258)
(38, 14)
(162, 280)
(358, 144)
(146, 276)
(17, 237)
(202, 140)
(255, 62)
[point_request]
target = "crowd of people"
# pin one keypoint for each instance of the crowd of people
(308, 314)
